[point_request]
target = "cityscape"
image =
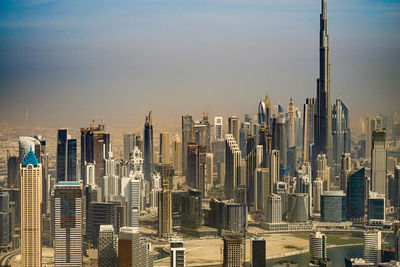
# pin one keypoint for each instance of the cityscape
(291, 182)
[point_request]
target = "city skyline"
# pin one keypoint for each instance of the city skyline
(161, 53)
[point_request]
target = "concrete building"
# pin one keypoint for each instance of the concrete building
(129, 143)
(372, 124)
(31, 215)
(323, 171)
(234, 128)
(128, 247)
(187, 135)
(148, 147)
(274, 209)
(232, 166)
(372, 246)
(298, 207)
(218, 126)
(6, 225)
(318, 245)
(68, 224)
(165, 150)
(317, 193)
(345, 169)
(177, 155)
(379, 162)
(308, 128)
(233, 254)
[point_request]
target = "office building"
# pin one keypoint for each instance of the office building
(68, 224)
(129, 143)
(318, 244)
(275, 166)
(232, 166)
(291, 124)
(298, 207)
(333, 206)
(6, 226)
(94, 147)
(356, 196)
(323, 171)
(340, 131)
(376, 208)
(227, 215)
(264, 188)
(99, 213)
(164, 210)
(148, 147)
(317, 193)
(31, 215)
(177, 253)
(258, 252)
(308, 128)
(274, 209)
(372, 246)
(192, 173)
(372, 124)
(218, 125)
(323, 114)
(279, 138)
(233, 249)
(108, 246)
(66, 157)
(132, 249)
(187, 135)
(134, 201)
(26, 144)
(234, 128)
(12, 171)
(264, 112)
(379, 162)
(177, 155)
(345, 169)
(281, 189)
(165, 150)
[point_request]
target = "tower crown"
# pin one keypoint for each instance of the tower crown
(30, 158)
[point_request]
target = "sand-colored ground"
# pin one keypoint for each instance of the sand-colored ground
(209, 251)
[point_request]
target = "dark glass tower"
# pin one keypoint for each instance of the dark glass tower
(148, 147)
(187, 136)
(66, 156)
(356, 196)
(71, 160)
(323, 116)
(340, 132)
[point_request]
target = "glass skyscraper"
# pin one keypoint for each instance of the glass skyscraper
(356, 195)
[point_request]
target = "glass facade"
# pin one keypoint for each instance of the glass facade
(333, 207)
(356, 196)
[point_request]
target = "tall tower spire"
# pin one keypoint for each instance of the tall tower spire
(323, 117)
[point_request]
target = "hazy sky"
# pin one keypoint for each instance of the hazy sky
(70, 61)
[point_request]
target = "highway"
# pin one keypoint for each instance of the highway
(5, 259)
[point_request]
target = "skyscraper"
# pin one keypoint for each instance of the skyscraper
(379, 162)
(164, 208)
(12, 170)
(372, 246)
(264, 112)
(177, 253)
(317, 193)
(356, 196)
(308, 128)
(274, 209)
(187, 136)
(66, 156)
(6, 227)
(148, 147)
(177, 155)
(323, 171)
(26, 144)
(318, 244)
(258, 249)
(108, 246)
(94, 145)
(234, 128)
(232, 166)
(345, 169)
(130, 253)
(340, 131)
(218, 124)
(233, 249)
(291, 125)
(333, 206)
(68, 224)
(129, 144)
(279, 138)
(372, 124)
(165, 150)
(323, 116)
(376, 208)
(31, 217)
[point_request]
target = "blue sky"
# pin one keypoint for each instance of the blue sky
(73, 60)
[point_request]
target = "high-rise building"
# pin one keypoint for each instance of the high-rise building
(317, 193)
(68, 224)
(323, 171)
(234, 128)
(232, 166)
(258, 249)
(308, 128)
(345, 169)
(164, 209)
(108, 246)
(291, 125)
(372, 246)
(298, 207)
(233, 254)
(26, 144)
(148, 147)
(397, 244)
(379, 162)
(31, 216)
(333, 206)
(275, 159)
(12, 171)
(218, 124)
(134, 201)
(94, 143)
(376, 208)
(274, 209)
(177, 253)
(177, 155)
(6, 226)
(372, 124)
(187, 136)
(318, 244)
(340, 131)
(245, 130)
(279, 138)
(129, 244)
(192, 173)
(264, 112)
(129, 144)
(323, 114)
(356, 196)
(165, 150)
(99, 213)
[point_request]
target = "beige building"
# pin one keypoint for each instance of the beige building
(31, 202)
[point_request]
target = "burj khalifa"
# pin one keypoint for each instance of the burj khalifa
(323, 117)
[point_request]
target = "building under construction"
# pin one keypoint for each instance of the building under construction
(233, 254)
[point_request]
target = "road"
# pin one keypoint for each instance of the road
(5, 259)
